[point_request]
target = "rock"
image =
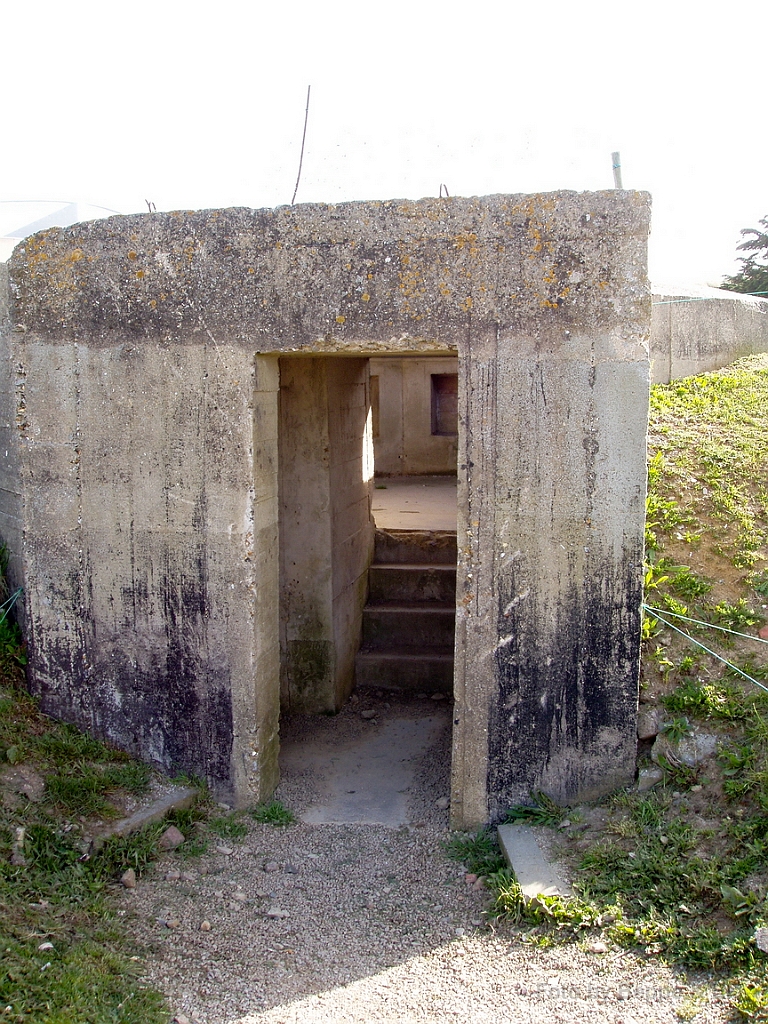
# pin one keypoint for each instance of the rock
(761, 939)
(240, 897)
(271, 865)
(648, 722)
(439, 696)
(369, 713)
(291, 869)
(422, 696)
(443, 803)
(205, 926)
(277, 913)
(45, 947)
(188, 876)
(18, 860)
(181, 1018)
(172, 923)
(648, 777)
(458, 932)
(597, 947)
(172, 876)
(128, 878)
(170, 839)
(479, 885)
(565, 823)
(225, 851)
(23, 781)
(690, 750)
(470, 878)
(763, 633)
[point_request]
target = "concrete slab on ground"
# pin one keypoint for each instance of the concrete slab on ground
(366, 779)
(415, 503)
(535, 873)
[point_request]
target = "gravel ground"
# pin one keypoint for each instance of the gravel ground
(368, 923)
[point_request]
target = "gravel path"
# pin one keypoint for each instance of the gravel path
(366, 923)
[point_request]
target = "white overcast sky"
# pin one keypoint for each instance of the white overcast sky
(196, 106)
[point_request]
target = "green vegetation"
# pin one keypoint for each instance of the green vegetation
(753, 276)
(64, 958)
(479, 853)
(273, 813)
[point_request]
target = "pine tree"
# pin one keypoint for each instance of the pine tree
(753, 276)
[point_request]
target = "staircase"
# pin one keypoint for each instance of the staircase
(409, 621)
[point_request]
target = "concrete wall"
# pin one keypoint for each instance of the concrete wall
(11, 407)
(149, 547)
(326, 531)
(694, 330)
(148, 468)
(405, 443)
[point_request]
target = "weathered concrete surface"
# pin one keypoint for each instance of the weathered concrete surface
(378, 276)
(326, 530)
(144, 468)
(552, 417)
(404, 443)
(535, 873)
(694, 330)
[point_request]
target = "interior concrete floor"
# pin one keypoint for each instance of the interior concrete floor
(415, 503)
(391, 767)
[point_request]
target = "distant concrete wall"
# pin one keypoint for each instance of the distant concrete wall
(326, 531)
(404, 443)
(146, 439)
(694, 330)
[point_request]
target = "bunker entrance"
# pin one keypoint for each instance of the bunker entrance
(368, 584)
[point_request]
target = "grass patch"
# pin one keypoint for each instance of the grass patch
(479, 853)
(273, 813)
(65, 957)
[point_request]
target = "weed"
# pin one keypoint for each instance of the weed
(479, 852)
(718, 700)
(736, 616)
(273, 813)
(541, 811)
(676, 729)
(230, 827)
(751, 1001)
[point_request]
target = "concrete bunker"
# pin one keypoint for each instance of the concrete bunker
(145, 433)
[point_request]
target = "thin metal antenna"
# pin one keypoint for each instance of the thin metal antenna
(303, 139)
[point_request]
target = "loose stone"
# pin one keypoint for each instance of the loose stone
(170, 839)
(128, 878)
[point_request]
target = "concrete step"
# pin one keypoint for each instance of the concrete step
(424, 547)
(405, 670)
(412, 626)
(408, 582)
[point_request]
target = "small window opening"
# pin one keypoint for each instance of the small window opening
(445, 403)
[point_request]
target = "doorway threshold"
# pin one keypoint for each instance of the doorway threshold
(383, 760)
